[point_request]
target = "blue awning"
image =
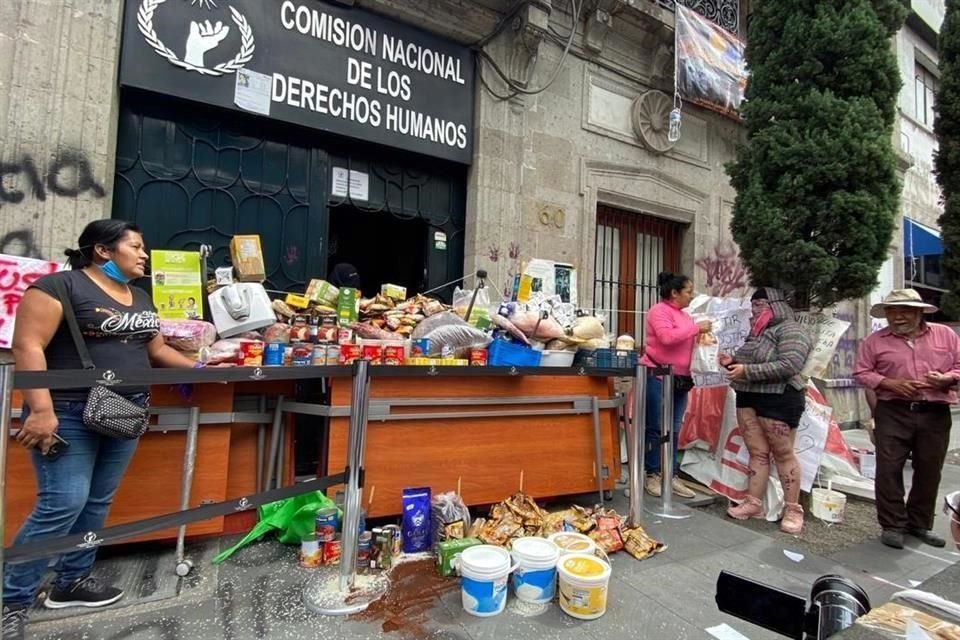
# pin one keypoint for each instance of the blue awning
(920, 240)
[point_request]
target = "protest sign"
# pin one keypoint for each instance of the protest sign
(825, 333)
(16, 275)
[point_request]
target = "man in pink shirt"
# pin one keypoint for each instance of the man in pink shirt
(913, 367)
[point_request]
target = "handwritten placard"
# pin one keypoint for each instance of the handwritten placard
(826, 333)
(731, 326)
(16, 275)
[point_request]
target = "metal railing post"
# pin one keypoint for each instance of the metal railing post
(355, 450)
(338, 604)
(6, 391)
(636, 439)
(666, 508)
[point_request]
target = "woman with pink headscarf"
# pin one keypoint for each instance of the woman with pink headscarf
(771, 396)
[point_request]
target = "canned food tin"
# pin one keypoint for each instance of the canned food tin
(251, 353)
(311, 555)
(333, 355)
(302, 355)
(393, 355)
(327, 521)
(350, 353)
(420, 348)
(364, 550)
(373, 353)
(320, 356)
(331, 552)
(478, 357)
(273, 354)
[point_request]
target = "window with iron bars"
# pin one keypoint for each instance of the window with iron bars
(725, 13)
(631, 250)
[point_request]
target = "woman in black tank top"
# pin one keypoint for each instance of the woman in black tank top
(121, 330)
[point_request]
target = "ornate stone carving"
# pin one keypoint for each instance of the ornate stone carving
(650, 115)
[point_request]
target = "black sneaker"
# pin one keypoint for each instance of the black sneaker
(86, 592)
(14, 620)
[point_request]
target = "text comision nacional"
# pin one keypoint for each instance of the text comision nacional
(388, 83)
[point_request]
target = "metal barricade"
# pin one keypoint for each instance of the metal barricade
(346, 600)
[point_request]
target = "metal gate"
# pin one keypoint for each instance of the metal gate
(631, 250)
(198, 176)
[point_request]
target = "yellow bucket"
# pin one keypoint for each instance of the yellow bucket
(583, 583)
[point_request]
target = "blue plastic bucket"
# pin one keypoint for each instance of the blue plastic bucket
(535, 578)
(484, 570)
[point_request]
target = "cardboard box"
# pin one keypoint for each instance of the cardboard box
(348, 305)
(394, 291)
(322, 292)
(247, 257)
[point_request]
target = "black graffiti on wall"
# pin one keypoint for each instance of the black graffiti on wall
(20, 243)
(69, 175)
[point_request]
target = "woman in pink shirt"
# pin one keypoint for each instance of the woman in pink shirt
(670, 337)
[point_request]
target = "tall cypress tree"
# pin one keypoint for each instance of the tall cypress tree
(947, 160)
(817, 188)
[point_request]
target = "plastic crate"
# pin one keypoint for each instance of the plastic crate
(613, 359)
(586, 358)
(501, 353)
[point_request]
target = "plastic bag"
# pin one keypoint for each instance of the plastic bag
(479, 315)
(457, 338)
(293, 519)
(435, 321)
(450, 516)
(188, 335)
(221, 351)
(705, 355)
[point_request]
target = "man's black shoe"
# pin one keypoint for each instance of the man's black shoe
(927, 537)
(87, 592)
(892, 538)
(14, 620)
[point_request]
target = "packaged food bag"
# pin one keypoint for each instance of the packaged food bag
(705, 355)
(416, 527)
(450, 516)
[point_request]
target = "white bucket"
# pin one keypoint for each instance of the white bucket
(570, 542)
(584, 580)
(827, 504)
(484, 570)
(535, 578)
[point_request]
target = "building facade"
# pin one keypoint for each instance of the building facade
(107, 109)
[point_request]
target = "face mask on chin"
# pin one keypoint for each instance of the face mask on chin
(112, 271)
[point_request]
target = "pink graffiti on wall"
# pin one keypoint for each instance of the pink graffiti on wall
(725, 273)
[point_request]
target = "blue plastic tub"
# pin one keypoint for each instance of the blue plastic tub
(508, 354)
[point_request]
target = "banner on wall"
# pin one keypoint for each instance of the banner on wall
(16, 276)
(711, 68)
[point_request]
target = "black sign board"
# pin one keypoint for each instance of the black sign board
(324, 66)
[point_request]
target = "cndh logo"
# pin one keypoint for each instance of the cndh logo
(202, 38)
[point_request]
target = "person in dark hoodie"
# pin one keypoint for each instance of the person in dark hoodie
(771, 395)
(344, 274)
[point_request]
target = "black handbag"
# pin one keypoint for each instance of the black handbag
(106, 412)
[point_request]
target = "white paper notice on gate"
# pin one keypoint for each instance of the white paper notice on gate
(16, 275)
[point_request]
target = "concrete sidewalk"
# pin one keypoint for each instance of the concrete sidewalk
(257, 593)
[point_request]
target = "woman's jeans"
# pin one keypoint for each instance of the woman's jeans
(654, 415)
(74, 493)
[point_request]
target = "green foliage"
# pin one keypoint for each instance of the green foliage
(817, 188)
(947, 160)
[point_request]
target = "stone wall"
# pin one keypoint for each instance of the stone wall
(58, 110)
